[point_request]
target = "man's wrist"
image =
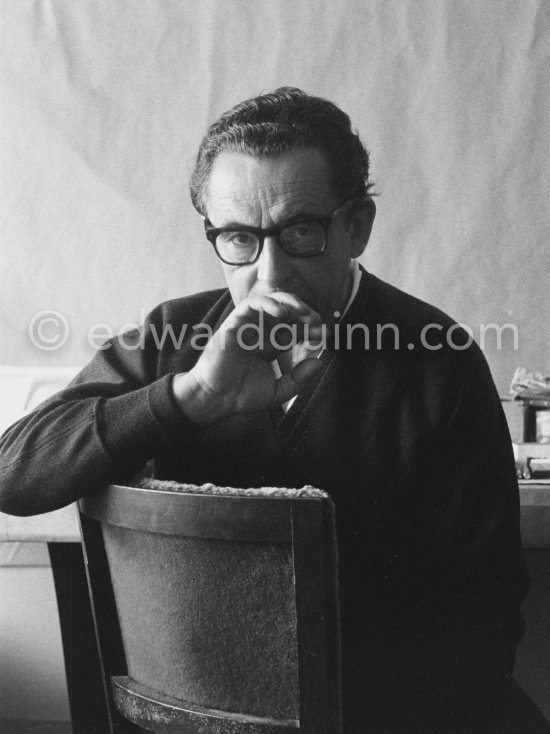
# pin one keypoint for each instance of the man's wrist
(193, 401)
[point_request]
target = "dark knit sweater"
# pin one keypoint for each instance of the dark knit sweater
(410, 442)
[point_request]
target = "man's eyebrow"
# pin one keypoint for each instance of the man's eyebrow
(304, 214)
(298, 216)
(233, 224)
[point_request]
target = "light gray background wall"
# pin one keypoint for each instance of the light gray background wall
(103, 105)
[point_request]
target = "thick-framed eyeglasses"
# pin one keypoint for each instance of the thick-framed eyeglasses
(302, 238)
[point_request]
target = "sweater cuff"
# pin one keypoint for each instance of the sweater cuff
(136, 425)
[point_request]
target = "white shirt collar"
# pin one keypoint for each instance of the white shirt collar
(356, 272)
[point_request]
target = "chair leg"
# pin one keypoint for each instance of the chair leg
(88, 705)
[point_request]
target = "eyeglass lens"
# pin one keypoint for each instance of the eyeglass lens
(302, 239)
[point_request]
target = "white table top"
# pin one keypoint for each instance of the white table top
(60, 526)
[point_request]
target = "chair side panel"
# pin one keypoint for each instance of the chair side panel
(317, 610)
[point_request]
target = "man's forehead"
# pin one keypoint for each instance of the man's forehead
(290, 182)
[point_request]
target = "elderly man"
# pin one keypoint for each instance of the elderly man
(309, 370)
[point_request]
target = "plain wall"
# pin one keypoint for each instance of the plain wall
(103, 105)
(33, 684)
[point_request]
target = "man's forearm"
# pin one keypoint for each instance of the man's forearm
(77, 442)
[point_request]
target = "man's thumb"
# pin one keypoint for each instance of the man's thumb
(289, 385)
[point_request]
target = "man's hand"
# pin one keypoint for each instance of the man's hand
(234, 373)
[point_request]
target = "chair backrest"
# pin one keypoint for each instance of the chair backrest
(216, 610)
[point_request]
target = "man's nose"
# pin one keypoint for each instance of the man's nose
(273, 264)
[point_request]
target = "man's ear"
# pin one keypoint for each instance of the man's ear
(361, 225)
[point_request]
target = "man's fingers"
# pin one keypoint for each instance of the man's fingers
(296, 306)
(279, 305)
(268, 305)
(273, 322)
(290, 384)
(305, 370)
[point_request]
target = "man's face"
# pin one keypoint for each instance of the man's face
(270, 191)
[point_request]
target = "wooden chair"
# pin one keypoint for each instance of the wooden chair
(215, 613)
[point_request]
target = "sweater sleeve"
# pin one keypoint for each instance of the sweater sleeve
(116, 414)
